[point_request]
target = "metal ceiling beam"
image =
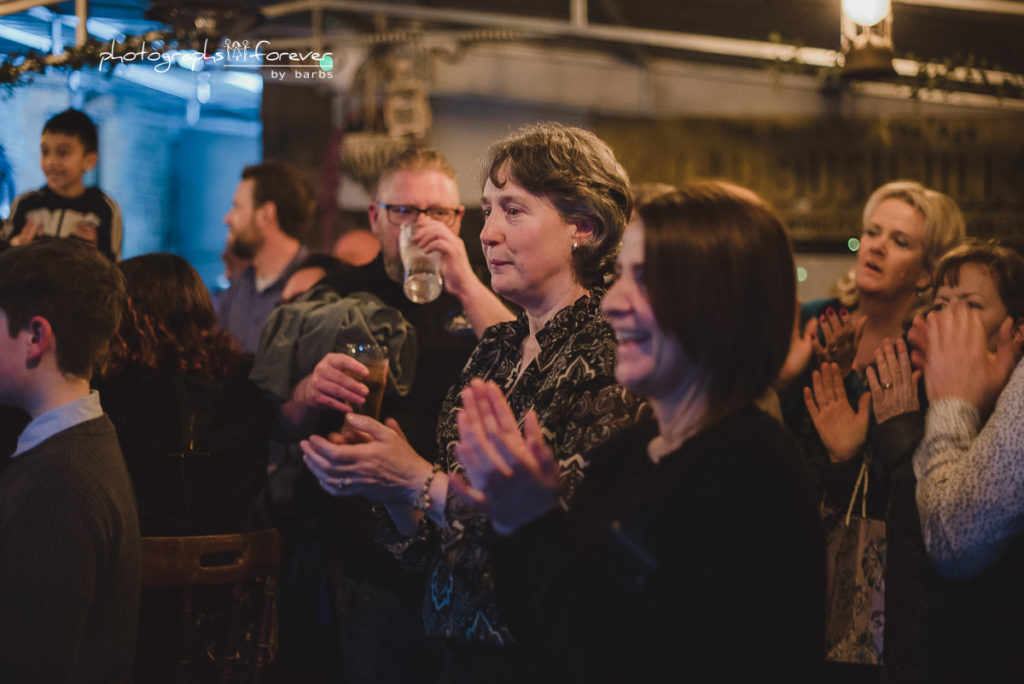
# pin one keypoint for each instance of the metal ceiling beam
(716, 45)
(81, 11)
(15, 6)
(100, 29)
(577, 27)
(983, 6)
(578, 12)
(25, 38)
(549, 27)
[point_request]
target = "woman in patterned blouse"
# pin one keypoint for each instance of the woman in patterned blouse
(555, 202)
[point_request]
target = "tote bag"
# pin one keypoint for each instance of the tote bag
(855, 581)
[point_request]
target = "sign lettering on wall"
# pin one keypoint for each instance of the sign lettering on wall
(818, 172)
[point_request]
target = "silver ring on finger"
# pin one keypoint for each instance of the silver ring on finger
(887, 385)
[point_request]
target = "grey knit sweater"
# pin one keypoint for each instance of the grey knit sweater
(69, 560)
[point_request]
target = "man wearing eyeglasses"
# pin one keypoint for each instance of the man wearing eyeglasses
(418, 187)
(378, 604)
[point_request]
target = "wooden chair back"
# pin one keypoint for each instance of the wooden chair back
(210, 559)
(247, 560)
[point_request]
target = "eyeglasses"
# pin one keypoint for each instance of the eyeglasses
(401, 213)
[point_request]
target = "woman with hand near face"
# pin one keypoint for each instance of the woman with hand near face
(907, 227)
(693, 549)
(938, 630)
(971, 348)
(863, 364)
(555, 203)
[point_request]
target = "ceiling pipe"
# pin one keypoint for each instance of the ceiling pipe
(26, 38)
(82, 12)
(578, 12)
(16, 6)
(716, 45)
(982, 6)
(549, 27)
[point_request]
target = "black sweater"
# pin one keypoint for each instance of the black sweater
(196, 447)
(708, 566)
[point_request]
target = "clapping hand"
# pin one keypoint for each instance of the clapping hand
(894, 387)
(841, 429)
(917, 336)
(87, 232)
(842, 337)
(28, 233)
(801, 347)
(367, 458)
(512, 474)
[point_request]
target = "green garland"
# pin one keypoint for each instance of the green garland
(20, 68)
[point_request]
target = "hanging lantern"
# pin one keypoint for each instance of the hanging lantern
(867, 45)
(206, 22)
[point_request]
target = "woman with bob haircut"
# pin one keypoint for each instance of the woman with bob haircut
(693, 550)
(555, 203)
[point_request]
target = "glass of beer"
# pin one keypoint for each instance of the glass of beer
(375, 358)
(361, 347)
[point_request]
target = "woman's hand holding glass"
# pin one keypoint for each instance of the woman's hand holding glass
(841, 429)
(512, 474)
(894, 386)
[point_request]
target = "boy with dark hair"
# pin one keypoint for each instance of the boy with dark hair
(70, 567)
(64, 207)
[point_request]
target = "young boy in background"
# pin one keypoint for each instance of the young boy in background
(64, 207)
(70, 553)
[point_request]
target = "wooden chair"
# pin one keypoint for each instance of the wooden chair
(249, 561)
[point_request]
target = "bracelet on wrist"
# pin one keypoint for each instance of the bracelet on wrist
(422, 500)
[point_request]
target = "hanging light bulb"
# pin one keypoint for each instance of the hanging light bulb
(866, 33)
(867, 12)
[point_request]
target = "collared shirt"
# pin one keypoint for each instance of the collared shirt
(56, 420)
(243, 308)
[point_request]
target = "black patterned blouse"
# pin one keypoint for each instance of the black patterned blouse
(571, 386)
